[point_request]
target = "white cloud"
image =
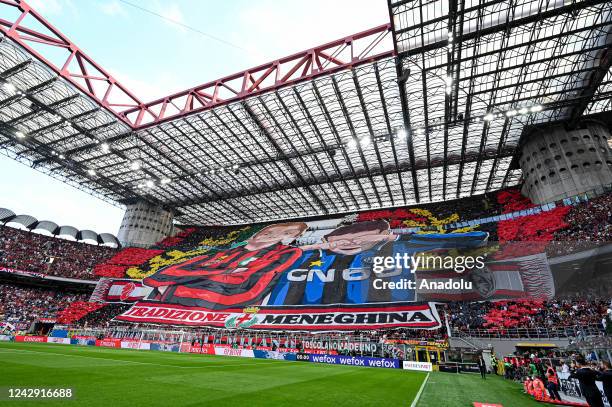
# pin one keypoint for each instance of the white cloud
(113, 8)
(146, 89)
(276, 29)
(53, 7)
(172, 12)
(47, 7)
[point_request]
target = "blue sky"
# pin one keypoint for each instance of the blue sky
(154, 57)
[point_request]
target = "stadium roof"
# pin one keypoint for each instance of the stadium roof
(428, 108)
(8, 217)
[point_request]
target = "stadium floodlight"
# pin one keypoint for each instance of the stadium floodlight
(523, 110)
(365, 141)
(488, 117)
(352, 144)
(9, 87)
(20, 134)
(235, 166)
(449, 84)
(62, 156)
(135, 166)
(450, 36)
(165, 181)
(402, 134)
(105, 147)
(536, 108)
(150, 183)
(91, 172)
(511, 113)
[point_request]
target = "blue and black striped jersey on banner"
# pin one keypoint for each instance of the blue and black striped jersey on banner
(340, 291)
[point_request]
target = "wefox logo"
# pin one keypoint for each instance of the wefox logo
(355, 361)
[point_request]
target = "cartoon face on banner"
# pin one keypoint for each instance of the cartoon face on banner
(283, 233)
(356, 238)
(239, 276)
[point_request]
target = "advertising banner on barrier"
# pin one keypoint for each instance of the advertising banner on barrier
(6, 338)
(338, 346)
(165, 347)
(206, 349)
(272, 354)
(322, 351)
(243, 353)
(53, 339)
(20, 338)
(59, 333)
(420, 366)
(355, 361)
(83, 342)
(135, 345)
(302, 357)
(84, 337)
(109, 342)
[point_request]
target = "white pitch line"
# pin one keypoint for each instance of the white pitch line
(133, 361)
(418, 396)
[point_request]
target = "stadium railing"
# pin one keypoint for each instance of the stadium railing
(540, 333)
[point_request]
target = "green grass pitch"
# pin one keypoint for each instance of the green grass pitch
(120, 377)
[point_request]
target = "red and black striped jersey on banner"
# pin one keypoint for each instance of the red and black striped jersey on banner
(223, 279)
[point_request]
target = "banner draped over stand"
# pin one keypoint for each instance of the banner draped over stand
(357, 276)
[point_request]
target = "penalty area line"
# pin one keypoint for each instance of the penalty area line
(418, 395)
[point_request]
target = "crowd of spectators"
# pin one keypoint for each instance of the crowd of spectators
(101, 317)
(21, 304)
(503, 316)
(33, 252)
(589, 225)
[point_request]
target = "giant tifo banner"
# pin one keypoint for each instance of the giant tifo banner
(352, 276)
